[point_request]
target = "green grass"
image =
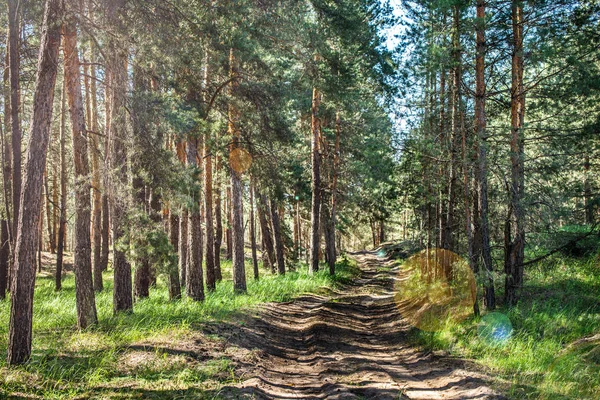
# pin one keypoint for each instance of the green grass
(542, 360)
(97, 362)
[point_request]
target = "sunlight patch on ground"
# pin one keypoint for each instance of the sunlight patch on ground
(435, 286)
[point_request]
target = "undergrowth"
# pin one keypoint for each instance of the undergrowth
(554, 350)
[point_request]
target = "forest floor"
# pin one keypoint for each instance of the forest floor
(293, 336)
(349, 344)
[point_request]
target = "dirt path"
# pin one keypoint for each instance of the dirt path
(348, 345)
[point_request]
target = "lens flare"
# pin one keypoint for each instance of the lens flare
(433, 287)
(240, 160)
(381, 253)
(495, 329)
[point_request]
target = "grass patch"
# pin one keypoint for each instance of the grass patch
(554, 350)
(107, 361)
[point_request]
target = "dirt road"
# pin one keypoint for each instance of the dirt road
(350, 344)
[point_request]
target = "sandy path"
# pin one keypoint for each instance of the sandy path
(347, 345)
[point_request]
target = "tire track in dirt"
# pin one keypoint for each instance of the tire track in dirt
(351, 344)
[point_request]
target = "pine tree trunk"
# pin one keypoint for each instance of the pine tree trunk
(194, 279)
(228, 244)
(21, 312)
(15, 100)
(118, 182)
(457, 126)
(141, 282)
(218, 222)
(105, 250)
(332, 220)
(481, 176)
(514, 265)
(49, 226)
(182, 250)
(208, 214)
(174, 285)
(84, 287)
(278, 239)
(296, 219)
(267, 235)
(253, 233)
(7, 158)
(4, 256)
(236, 212)
(315, 236)
(96, 177)
(587, 192)
(62, 223)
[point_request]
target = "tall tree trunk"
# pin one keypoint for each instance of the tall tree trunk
(92, 101)
(457, 126)
(587, 192)
(336, 164)
(315, 236)
(296, 219)
(118, 182)
(514, 266)
(228, 244)
(253, 233)
(218, 221)
(105, 249)
(208, 203)
(267, 235)
(480, 129)
(237, 211)
(7, 156)
(84, 287)
(182, 250)
(49, 225)
(194, 279)
(62, 223)
(21, 312)
(278, 239)
(4, 256)
(174, 285)
(15, 100)
(55, 204)
(141, 281)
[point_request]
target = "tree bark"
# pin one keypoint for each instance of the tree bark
(218, 221)
(315, 236)
(118, 182)
(336, 164)
(208, 204)
(228, 244)
(174, 284)
(84, 287)
(141, 282)
(21, 312)
(4, 256)
(237, 211)
(49, 225)
(96, 177)
(15, 100)
(514, 261)
(182, 250)
(7, 158)
(481, 176)
(267, 235)
(194, 279)
(277, 236)
(253, 233)
(587, 192)
(62, 223)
